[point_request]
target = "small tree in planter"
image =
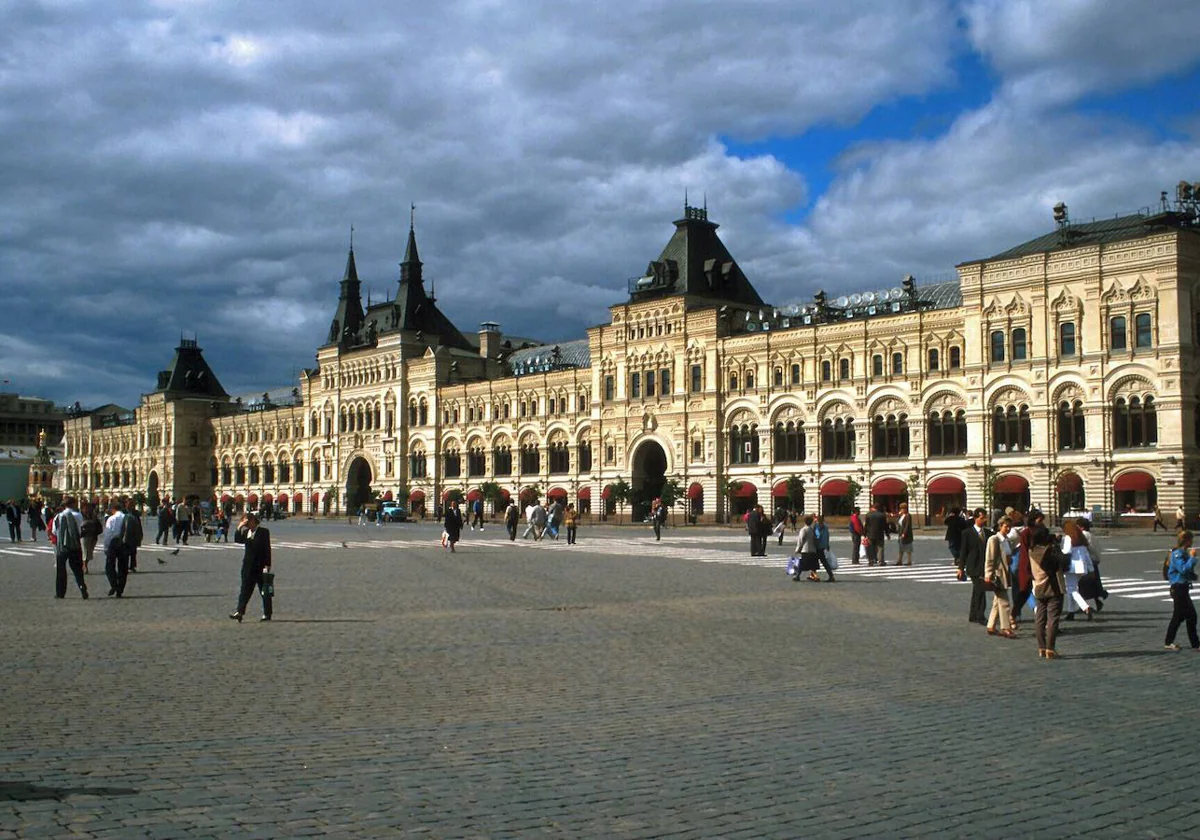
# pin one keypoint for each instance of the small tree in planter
(795, 493)
(530, 495)
(621, 493)
(850, 497)
(491, 493)
(730, 489)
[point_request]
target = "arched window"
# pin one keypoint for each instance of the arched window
(531, 458)
(826, 371)
(417, 464)
(838, 440)
(778, 377)
(947, 433)
(933, 361)
(1020, 349)
(1066, 338)
(749, 380)
(560, 457)
(897, 363)
(733, 382)
(1143, 336)
(955, 358)
(1116, 333)
(476, 461)
(877, 365)
(1011, 429)
(789, 442)
(743, 444)
(890, 438)
(1072, 430)
(502, 460)
(423, 414)
(795, 374)
(585, 456)
(997, 346)
(453, 463)
(1135, 422)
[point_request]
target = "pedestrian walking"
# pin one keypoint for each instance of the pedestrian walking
(183, 522)
(571, 520)
(971, 564)
(1079, 564)
(824, 553)
(67, 529)
(955, 525)
(754, 529)
(90, 531)
(1158, 520)
(13, 514)
(512, 516)
(116, 557)
(856, 535)
(997, 579)
(1181, 572)
(256, 564)
(658, 516)
(806, 550)
(875, 535)
(1180, 521)
(453, 525)
(477, 514)
(781, 518)
(135, 533)
(1045, 562)
(904, 535)
(166, 518)
(34, 518)
(1021, 572)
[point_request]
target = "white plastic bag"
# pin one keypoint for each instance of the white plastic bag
(831, 561)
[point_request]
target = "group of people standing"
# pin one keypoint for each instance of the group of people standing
(75, 534)
(34, 511)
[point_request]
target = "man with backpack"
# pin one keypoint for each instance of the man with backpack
(67, 529)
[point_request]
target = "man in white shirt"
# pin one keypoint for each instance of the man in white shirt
(68, 549)
(183, 522)
(116, 558)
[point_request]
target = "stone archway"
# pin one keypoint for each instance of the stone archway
(649, 475)
(152, 491)
(358, 485)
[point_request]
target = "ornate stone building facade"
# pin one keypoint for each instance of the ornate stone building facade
(1061, 373)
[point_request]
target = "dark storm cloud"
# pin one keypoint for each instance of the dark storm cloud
(183, 166)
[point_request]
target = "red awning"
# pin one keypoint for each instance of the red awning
(1134, 480)
(316, 498)
(446, 496)
(556, 493)
(745, 490)
(1070, 482)
(696, 491)
(606, 492)
(584, 493)
(889, 487)
(835, 487)
(387, 496)
(505, 494)
(225, 497)
(416, 496)
(252, 499)
(268, 498)
(1011, 483)
(947, 485)
(779, 491)
(298, 498)
(474, 494)
(239, 498)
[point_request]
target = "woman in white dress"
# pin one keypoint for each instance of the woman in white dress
(1079, 563)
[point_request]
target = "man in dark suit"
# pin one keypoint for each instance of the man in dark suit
(971, 562)
(255, 562)
(753, 527)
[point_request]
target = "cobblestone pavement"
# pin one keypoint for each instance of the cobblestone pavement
(617, 688)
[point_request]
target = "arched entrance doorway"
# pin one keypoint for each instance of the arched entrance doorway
(358, 485)
(649, 474)
(152, 490)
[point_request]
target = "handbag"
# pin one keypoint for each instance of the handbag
(831, 561)
(793, 566)
(267, 588)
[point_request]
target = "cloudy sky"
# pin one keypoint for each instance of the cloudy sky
(194, 166)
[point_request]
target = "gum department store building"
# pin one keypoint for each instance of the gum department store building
(1061, 373)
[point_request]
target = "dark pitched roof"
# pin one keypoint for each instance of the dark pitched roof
(1102, 232)
(695, 262)
(189, 375)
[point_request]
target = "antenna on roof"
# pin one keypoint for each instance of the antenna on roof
(351, 236)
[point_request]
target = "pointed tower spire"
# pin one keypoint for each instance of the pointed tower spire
(410, 269)
(349, 315)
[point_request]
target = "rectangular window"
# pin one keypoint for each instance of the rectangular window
(635, 386)
(649, 383)
(897, 363)
(697, 450)
(609, 392)
(778, 377)
(933, 361)
(795, 374)
(664, 382)
(1142, 332)
(877, 365)
(955, 358)
(1066, 338)
(1117, 340)
(844, 369)
(997, 346)
(826, 371)
(1020, 349)
(697, 379)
